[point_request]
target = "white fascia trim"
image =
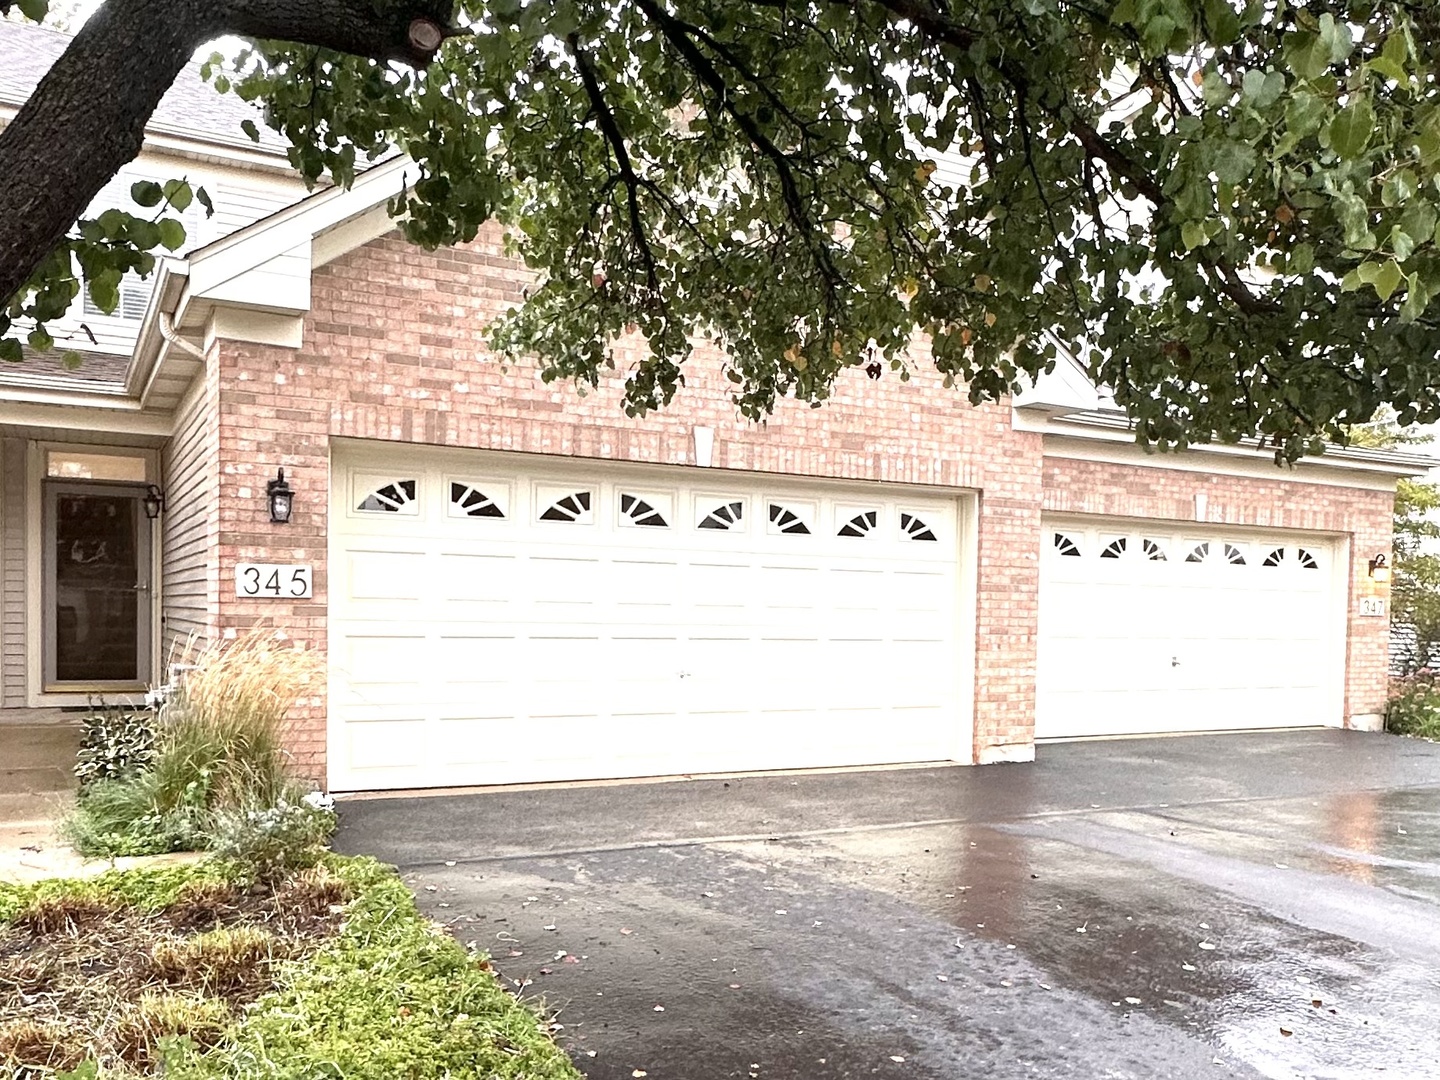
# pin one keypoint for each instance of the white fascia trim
(112, 417)
(150, 343)
(1075, 430)
(287, 229)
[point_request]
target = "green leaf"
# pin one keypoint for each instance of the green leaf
(1233, 161)
(1351, 129)
(1336, 37)
(1399, 188)
(40, 340)
(248, 126)
(1387, 279)
(146, 193)
(203, 198)
(1194, 235)
(70, 360)
(11, 351)
(1223, 22)
(172, 234)
(1401, 243)
(35, 10)
(178, 194)
(1307, 55)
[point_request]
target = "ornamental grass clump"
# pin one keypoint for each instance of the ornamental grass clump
(218, 750)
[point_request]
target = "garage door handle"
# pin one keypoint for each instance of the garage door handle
(1174, 661)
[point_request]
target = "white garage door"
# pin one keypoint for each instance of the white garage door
(498, 619)
(1155, 629)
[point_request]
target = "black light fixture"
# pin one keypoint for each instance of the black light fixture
(154, 502)
(282, 499)
(1380, 568)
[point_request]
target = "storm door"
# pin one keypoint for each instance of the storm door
(97, 599)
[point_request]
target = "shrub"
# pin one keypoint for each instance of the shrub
(133, 816)
(291, 835)
(1414, 705)
(115, 742)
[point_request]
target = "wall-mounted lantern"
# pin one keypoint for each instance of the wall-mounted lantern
(1380, 569)
(282, 499)
(154, 502)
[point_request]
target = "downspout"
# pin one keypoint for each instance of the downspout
(168, 332)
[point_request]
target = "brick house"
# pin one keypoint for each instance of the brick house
(514, 582)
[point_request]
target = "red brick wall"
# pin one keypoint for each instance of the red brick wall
(394, 350)
(1361, 517)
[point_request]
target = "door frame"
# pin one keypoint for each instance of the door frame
(38, 692)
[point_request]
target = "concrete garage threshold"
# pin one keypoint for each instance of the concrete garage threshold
(1147, 908)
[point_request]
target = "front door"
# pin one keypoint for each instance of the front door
(98, 610)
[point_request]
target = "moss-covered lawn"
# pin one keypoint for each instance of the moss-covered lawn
(331, 972)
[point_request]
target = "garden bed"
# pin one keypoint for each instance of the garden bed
(328, 971)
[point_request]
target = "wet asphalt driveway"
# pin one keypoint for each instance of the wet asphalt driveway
(1259, 905)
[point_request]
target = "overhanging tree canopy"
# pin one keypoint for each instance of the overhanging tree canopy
(1228, 210)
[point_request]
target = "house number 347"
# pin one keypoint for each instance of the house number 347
(274, 581)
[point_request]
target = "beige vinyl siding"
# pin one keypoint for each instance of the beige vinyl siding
(12, 572)
(190, 468)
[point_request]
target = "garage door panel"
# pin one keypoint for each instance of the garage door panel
(1133, 645)
(486, 650)
(386, 576)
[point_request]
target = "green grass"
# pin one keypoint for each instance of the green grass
(390, 996)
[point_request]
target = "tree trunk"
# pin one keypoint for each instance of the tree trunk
(87, 117)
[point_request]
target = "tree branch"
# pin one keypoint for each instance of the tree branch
(106, 85)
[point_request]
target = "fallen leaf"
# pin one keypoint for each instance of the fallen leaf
(626, 931)
(1316, 1003)
(1286, 1031)
(570, 959)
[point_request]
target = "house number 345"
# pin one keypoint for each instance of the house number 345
(274, 581)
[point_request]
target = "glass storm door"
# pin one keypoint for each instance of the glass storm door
(97, 587)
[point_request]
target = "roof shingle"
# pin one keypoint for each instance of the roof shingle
(191, 107)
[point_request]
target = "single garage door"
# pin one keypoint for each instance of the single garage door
(1152, 628)
(501, 619)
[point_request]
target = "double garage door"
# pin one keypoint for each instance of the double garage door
(1152, 628)
(500, 619)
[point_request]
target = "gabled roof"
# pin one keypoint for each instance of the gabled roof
(191, 108)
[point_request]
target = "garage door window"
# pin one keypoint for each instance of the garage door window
(914, 528)
(724, 517)
(570, 509)
(387, 497)
(635, 510)
(1234, 556)
(1066, 546)
(783, 519)
(473, 501)
(1115, 548)
(860, 524)
(1153, 551)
